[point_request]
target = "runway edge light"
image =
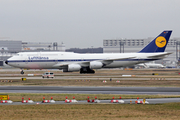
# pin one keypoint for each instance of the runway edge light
(71, 101)
(48, 101)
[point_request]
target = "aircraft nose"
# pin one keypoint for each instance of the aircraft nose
(6, 62)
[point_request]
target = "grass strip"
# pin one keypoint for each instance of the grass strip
(166, 111)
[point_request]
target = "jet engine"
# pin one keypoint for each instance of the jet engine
(95, 65)
(74, 67)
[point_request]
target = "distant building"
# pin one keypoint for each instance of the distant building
(85, 50)
(135, 45)
(10, 47)
(42, 46)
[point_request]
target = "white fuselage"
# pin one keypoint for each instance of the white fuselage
(55, 60)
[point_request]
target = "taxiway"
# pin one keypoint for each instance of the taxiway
(91, 90)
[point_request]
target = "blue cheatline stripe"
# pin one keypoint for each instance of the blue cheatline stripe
(78, 60)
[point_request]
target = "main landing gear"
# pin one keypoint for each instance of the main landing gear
(86, 70)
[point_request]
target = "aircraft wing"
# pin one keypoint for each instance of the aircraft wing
(113, 59)
(159, 56)
(60, 64)
(86, 63)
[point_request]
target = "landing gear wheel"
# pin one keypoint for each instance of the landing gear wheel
(93, 71)
(86, 71)
(22, 72)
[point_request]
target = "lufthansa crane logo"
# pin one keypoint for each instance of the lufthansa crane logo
(160, 41)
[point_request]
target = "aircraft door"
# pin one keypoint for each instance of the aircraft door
(26, 59)
(140, 60)
(56, 61)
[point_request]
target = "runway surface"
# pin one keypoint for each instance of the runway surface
(17, 77)
(91, 90)
(94, 90)
(71, 77)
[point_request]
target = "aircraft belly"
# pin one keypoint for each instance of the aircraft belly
(117, 64)
(35, 65)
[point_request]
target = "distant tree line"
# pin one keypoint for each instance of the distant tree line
(85, 50)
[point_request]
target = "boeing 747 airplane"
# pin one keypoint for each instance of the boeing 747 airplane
(85, 63)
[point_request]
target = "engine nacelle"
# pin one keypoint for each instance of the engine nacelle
(74, 67)
(96, 65)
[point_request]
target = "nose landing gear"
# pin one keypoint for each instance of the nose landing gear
(22, 72)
